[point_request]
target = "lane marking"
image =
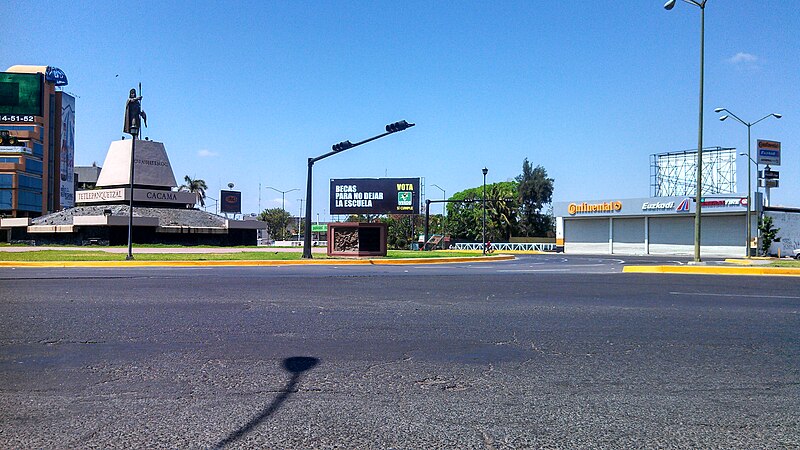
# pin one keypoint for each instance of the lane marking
(708, 294)
(533, 270)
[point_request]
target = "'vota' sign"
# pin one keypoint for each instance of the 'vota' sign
(375, 196)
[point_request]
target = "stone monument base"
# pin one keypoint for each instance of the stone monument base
(108, 225)
(357, 239)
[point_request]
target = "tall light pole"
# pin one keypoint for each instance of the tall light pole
(336, 148)
(299, 218)
(749, 171)
(133, 117)
(444, 211)
(485, 171)
(283, 195)
(699, 196)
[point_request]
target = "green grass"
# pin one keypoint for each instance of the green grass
(81, 255)
(786, 263)
(430, 254)
(92, 255)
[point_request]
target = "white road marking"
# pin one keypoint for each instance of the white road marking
(708, 294)
(533, 270)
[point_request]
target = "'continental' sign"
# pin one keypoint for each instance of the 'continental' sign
(586, 208)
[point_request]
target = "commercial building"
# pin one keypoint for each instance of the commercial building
(663, 224)
(37, 142)
(658, 226)
(86, 176)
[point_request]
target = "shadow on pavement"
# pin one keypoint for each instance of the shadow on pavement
(296, 365)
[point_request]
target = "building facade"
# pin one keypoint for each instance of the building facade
(37, 142)
(658, 226)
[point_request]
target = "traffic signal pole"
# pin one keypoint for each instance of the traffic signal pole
(337, 148)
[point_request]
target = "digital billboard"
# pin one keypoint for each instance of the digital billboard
(375, 196)
(20, 96)
(230, 202)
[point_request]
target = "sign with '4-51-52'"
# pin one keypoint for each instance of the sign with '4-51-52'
(769, 152)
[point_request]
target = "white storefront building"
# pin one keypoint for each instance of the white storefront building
(658, 226)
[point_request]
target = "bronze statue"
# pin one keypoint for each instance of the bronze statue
(133, 111)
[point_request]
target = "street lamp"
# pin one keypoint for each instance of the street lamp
(698, 200)
(336, 148)
(283, 195)
(216, 204)
(485, 171)
(444, 211)
(749, 171)
(299, 218)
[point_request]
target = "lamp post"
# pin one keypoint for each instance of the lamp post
(133, 117)
(485, 171)
(283, 195)
(698, 197)
(216, 204)
(300, 218)
(749, 171)
(444, 211)
(336, 148)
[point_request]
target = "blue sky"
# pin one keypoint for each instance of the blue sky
(245, 92)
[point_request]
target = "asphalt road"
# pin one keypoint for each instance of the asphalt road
(546, 351)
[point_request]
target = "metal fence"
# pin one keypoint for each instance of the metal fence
(506, 246)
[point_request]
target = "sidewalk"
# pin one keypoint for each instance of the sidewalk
(757, 266)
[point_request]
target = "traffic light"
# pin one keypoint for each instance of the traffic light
(398, 126)
(344, 145)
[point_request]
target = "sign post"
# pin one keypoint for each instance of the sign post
(769, 152)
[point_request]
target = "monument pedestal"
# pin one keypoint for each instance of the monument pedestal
(357, 239)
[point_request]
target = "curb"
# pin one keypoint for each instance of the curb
(712, 270)
(750, 262)
(224, 263)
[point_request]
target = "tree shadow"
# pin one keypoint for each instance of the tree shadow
(296, 365)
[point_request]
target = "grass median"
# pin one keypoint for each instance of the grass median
(94, 255)
(786, 263)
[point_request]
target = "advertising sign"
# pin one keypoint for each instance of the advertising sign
(375, 196)
(20, 97)
(769, 152)
(230, 202)
(67, 189)
(56, 76)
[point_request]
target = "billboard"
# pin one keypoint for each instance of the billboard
(67, 189)
(769, 152)
(375, 196)
(230, 202)
(20, 96)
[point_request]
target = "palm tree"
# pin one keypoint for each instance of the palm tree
(197, 186)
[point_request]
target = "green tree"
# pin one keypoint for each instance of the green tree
(465, 217)
(768, 234)
(196, 186)
(535, 191)
(403, 229)
(277, 220)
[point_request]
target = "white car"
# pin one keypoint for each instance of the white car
(797, 253)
